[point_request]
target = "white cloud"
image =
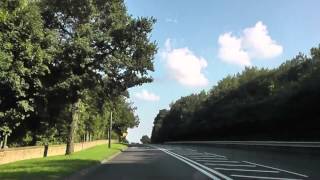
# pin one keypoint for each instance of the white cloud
(254, 43)
(147, 96)
(171, 20)
(184, 66)
(231, 51)
(258, 42)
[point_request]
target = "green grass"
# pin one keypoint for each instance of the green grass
(56, 167)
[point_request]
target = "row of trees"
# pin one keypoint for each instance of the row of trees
(65, 65)
(145, 139)
(256, 104)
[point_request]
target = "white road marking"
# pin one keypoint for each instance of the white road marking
(214, 161)
(191, 149)
(260, 177)
(217, 159)
(275, 169)
(215, 154)
(192, 154)
(208, 158)
(246, 170)
(202, 156)
(191, 164)
(198, 164)
(233, 165)
(205, 157)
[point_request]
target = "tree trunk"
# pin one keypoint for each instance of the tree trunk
(45, 152)
(5, 141)
(87, 136)
(72, 128)
(110, 130)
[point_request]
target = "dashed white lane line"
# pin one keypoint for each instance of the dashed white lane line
(247, 170)
(231, 165)
(260, 177)
(290, 172)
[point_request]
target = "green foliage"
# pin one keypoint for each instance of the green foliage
(24, 56)
(257, 104)
(65, 65)
(27, 139)
(101, 46)
(145, 139)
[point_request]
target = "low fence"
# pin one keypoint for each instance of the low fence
(22, 153)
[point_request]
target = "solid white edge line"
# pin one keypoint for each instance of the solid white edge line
(260, 177)
(192, 165)
(202, 166)
(275, 168)
(247, 170)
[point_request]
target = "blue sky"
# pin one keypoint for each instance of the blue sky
(200, 42)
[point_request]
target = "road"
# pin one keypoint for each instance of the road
(206, 162)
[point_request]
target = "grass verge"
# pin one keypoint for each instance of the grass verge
(56, 167)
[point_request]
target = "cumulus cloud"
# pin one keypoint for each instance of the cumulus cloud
(147, 96)
(254, 43)
(171, 20)
(231, 50)
(184, 66)
(258, 42)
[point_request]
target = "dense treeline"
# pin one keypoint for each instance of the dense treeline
(257, 104)
(65, 65)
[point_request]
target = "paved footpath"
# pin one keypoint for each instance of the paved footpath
(165, 162)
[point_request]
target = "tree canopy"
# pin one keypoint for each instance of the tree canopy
(65, 65)
(256, 104)
(145, 139)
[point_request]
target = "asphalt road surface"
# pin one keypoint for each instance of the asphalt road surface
(165, 162)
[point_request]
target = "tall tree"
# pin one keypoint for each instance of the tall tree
(145, 139)
(101, 45)
(24, 56)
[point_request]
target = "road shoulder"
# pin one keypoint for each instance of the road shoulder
(83, 172)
